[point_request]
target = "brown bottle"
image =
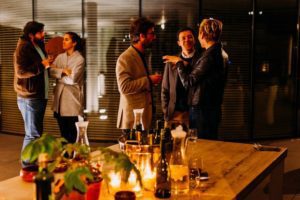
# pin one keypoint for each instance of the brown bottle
(163, 182)
(43, 179)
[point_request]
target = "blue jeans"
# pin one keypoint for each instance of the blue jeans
(32, 111)
(206, 121)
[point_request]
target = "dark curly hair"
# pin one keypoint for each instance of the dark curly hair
(139, 26)
(32, 27)
(76, 38)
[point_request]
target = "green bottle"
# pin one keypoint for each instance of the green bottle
(43, 179)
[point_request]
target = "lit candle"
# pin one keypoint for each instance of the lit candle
(132, 178)
(115, 180)
(149, 177)
(137, 188)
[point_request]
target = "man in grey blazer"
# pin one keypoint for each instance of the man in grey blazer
(133, 76)
(174, 97)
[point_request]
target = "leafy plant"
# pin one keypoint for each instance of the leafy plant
(76, 158)
(45, 144)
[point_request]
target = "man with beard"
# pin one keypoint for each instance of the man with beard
(174, 97)
(133, 76)
(31, 80)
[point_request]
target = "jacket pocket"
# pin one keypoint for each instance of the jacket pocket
(28, 84)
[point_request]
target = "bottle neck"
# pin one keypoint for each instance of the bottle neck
(43, 165)
(163, 147)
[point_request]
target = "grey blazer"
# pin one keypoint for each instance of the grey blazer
(68, 91)
(134, 88)
(168, 91)
(168, 88)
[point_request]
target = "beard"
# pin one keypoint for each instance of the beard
(39, 40)
(147, 45)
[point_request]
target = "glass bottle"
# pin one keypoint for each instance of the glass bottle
(138, 124)
(163, 182)
(178, 164)
(43, 179)
(81, 127)
(138, 119)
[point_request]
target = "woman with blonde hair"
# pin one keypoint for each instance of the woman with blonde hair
(206, 81)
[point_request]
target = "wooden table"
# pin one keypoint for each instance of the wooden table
(235, 170)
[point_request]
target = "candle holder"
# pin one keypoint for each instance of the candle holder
(142, 157)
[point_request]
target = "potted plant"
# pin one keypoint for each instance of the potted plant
(82, 176)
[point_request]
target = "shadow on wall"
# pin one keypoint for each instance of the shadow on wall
(291, 183)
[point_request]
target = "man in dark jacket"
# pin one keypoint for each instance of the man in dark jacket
(31, 80)
(206, 81)
(174, 97)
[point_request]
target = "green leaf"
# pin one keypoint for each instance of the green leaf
(45, 144)
(26, 153)
(73, 179)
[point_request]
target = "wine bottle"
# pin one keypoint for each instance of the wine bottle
(43, 179)
(159, 126)
(131, 134)
(163, 182)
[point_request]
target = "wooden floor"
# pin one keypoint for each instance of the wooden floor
(10, 147)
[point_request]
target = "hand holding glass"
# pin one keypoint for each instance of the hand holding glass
(156, 78)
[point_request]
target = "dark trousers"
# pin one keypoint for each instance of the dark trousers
(67, 127)
(206, 121)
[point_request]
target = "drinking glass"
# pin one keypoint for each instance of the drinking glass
(192, 134)
(195, 166)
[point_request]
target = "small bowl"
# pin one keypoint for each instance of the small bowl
(28, 173)
(125, 195)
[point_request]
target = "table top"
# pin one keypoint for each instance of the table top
(234, 170)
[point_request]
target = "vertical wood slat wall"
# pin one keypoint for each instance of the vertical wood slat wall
(106, 28)
(12, 20)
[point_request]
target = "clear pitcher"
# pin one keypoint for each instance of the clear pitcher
(178, 164)
(81, 127)
(138, 119)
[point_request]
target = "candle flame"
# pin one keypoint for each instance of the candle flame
(115, 179)
(148, 173)
(137, 188)
(132, 178)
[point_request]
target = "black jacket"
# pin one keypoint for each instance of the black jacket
(29, 71)
(207, 80)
